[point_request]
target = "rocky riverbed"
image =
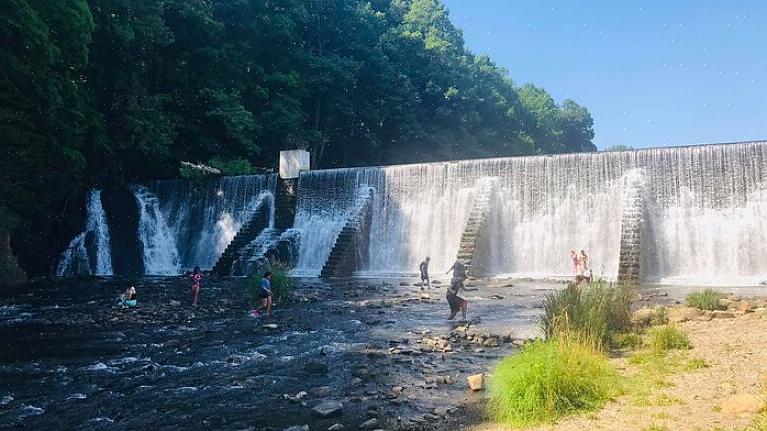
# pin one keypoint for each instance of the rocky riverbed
(362, 354)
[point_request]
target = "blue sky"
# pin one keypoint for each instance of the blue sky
(652, 73)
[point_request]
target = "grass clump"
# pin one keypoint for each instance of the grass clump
(665, 338)
(282, 288)
(548, 380)
(590, 314)
(629, 340)
(708, 299)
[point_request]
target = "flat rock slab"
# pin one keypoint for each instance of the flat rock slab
(328, 408)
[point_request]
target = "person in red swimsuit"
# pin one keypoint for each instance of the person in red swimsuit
(196, 278)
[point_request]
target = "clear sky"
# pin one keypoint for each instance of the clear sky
(652, 73)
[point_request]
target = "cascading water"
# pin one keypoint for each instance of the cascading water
(160, 250)
(198, 221)
(705, 213)
(90, 252)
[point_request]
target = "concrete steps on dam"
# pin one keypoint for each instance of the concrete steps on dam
(342, 260)
(475, 224)
(247, 233)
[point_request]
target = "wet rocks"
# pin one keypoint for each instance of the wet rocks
(298, 428)
(271, 326)
(369, 424)
(315, 367)
(328, 408)
(336, 427)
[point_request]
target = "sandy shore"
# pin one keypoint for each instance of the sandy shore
(735, 351)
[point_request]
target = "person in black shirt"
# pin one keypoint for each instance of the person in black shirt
(424, 267)
(456, 284)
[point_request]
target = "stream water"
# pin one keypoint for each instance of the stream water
(71, 360)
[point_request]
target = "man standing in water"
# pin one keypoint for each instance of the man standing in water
(424, 267)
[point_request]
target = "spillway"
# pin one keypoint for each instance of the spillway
(703, 219)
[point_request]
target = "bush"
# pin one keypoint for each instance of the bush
(231, 166)
(628, 340)
(588, 315)
(550, 379)
(665, 338)
(705, 300)
(282, 288)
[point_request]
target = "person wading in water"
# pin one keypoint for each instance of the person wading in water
(424, 267)
(456, 284)
(196, 278)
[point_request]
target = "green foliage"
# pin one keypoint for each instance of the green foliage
(659, 317)
(236, 166)
(628, 340)
(590, 314)
(282, 287)
(664, 338)
(548, 380)
(708, 299)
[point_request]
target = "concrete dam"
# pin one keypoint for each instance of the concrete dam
(679, 215)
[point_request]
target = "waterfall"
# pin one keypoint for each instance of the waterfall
(90, 251)
(160, 250)
(705, 216)
(200, 220)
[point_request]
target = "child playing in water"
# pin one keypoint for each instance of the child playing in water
(196, 278)
(128, 298)
(265, 295)
(456, 302)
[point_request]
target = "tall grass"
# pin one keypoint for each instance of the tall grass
(548, 380)
(590, 314)
(664, 338)
(282, 288)
(708, 299)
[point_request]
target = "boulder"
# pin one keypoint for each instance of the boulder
(742, 405)
(369, 424)
(328, 408)
(425, 296)
(643, 316)
(476, 382)
(298, 428)
(720, 314)
(336, 427)
(745, 306)
(682, 314)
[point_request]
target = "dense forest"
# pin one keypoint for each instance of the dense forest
(98, 92)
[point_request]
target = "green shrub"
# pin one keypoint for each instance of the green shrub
(665, 338)
(589, 314)
(628, 340)
(705, 300)
(231, 166)
(659, 317)
(550, 379)
(282, 288)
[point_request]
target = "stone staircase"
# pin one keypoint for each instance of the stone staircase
(630, 259)
(247, 233)
(342, 261)
(475, 223)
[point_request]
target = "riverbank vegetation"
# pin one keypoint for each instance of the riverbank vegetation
(707, 299)
(571, 371)
(103, 92)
